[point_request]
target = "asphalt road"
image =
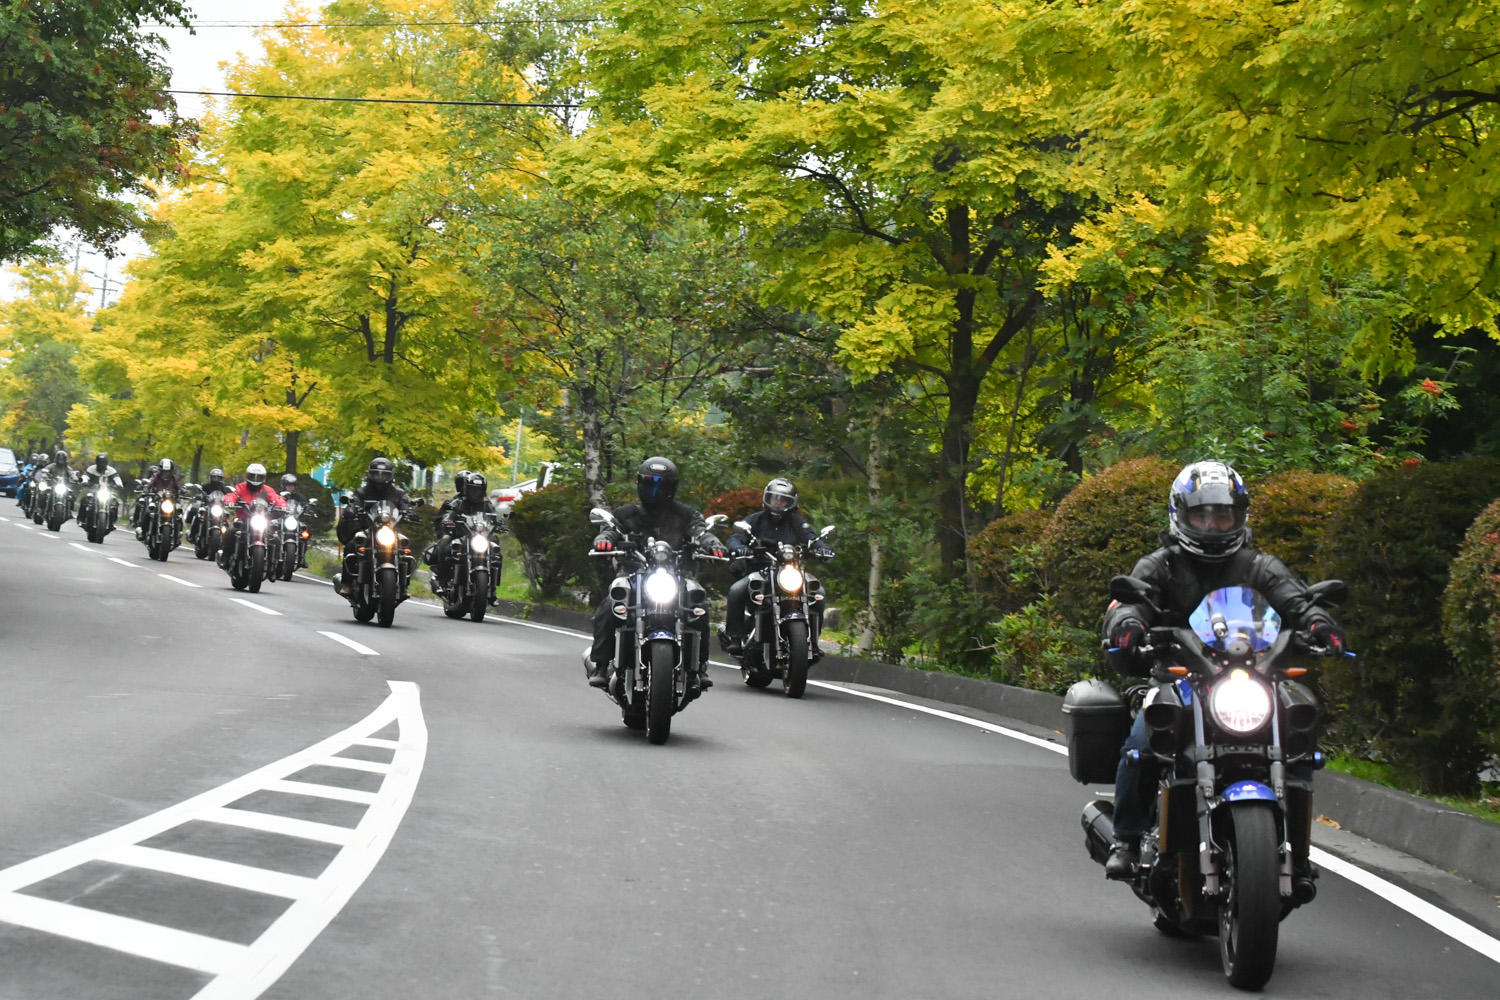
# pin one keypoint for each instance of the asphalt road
(485, 827)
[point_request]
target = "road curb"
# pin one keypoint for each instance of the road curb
(1447, 838)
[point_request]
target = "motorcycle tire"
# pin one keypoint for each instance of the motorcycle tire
(257, 572)
(54, 524)
(386, 587)
(661, 699)
(796, 659)
(478, 600)
(363, 611)
(1250, 911)
(238, 581)
(288, 564)
(162, 549)
(200, 549)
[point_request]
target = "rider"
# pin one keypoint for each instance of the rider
(28, 474)
(59, 467)
(142, 488)
(659, 516)
(379, 484)
(253, 488)
(214, 484)
(101, 472)
(777, 521)
(1206, 549)
(471, 498)
(163, 480)
(297, 503)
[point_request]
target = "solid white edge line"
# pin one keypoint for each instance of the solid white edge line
(134, 937)
(176, 579)
(285, 826)
(258, 607)
(358, 647)
(193, 866)
(122, 562)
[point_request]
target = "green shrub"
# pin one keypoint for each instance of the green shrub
(1403, 699)
(554, 532)
(1004, 560)
(1101, 528)
(1289, 517)
(1036, 649)
(1471, 624)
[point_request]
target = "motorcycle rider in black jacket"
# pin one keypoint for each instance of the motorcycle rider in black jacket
(1205, 549)
(102, 472)
(379, 484)
(777, 521)
(658, 515)
(163, 480)
(471, 498)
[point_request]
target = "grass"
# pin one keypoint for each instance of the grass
(1485, 805)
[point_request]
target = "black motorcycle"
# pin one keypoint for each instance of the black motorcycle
(655, 670)
(474, 566)
(98, 510)
(161, 524)
(245, 548)
(378, 564)
(55, 504)
(207, 523)
(1236, 739)
(786, 610)
(294, 538)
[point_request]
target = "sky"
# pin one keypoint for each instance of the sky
(195, 59)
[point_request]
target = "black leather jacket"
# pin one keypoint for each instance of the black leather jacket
(349, 520)
(1179, 580)
(675, 523)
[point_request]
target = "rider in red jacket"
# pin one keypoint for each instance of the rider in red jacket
(254, 487)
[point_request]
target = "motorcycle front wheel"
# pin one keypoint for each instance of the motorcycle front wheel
(479, 599)
(796, 659)
(1250, 912)
(257, 573)
(386, 585)
(660, 700)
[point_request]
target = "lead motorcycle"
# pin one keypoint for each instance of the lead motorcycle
(378, 563)
(655, 668)
(1236, 738)
(55, 503)
(98, 510)
(474, 561)
(786, 610)
(161, 524)
(244, 546)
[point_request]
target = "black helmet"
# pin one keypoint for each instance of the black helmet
(380, 471)
(101, 461)
(474, 487)
(216, 477)
(167, 465)
(255, 474)
(288, 482)
(779, 497)
(1208, 509)
(459, 479)
(61, 458)
(656, 481)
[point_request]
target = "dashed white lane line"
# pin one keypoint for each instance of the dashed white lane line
(176, 579)
(358, 647)
(123, 562)
(241, 972)
(26, 527)
(258, 607)
(82, 547)
(5, 519)
(50, 534)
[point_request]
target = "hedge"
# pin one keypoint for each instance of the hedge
(554, 532)
(1289, 517)
(1004, 560)
(1404, 698)
(1471, 623)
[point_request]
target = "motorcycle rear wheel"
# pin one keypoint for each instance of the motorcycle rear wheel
(386, 586)
(660, 702)
(796, 660)
(1250, 912)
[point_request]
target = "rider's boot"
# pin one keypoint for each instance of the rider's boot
(598, 674)
(1124, 856)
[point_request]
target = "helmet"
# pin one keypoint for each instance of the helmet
(167, 465)
(288, 482)
(459, 479)
(779, 497)
(61, 458)
(380, 471)
(101, 461)
(656, 481)
(216, 477)
(1207, 510)
(255, 474)
(474, 487)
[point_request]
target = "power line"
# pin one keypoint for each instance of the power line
(373, 100)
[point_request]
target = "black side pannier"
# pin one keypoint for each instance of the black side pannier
(1098, 722)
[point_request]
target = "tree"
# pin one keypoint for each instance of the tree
(39, 337)
(84, 122)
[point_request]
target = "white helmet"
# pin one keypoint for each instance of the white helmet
(255, 475)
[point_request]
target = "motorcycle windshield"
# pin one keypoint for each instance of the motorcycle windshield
(1236, 620)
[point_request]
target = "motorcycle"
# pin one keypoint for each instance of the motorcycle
(206, 520)
(1236, 737)
(56, 505)
(161, 525)
(786, 604)
(98, 509)
(295, 536)
(243, 549)
(655, 669)
(474, 564)
(378, 564)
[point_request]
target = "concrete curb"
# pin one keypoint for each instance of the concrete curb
(1447, 838)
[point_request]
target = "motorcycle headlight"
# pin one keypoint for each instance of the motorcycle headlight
(1239, 703)
(661, 587)
(60, 488)
(385, 535)
(168, 506)
(789, 578)
(479, 544)
(217, 510)
(258, 521)
(290, 524)
(103, 496)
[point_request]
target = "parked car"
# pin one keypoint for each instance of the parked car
(10, 472)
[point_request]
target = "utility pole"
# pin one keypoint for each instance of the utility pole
(515, 460)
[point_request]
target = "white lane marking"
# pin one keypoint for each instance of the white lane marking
(258, 607)
(1035, 741)
(5, 519)
(122, 562)
(82, 547)
(285, 825)
(50, 534)
(176, 579)
(318, 791)
(242, 972)
(203, 869)
(373, 742)
(358, 647)
(354, 764)
(153, 941)
(27, 527)
(314, 579)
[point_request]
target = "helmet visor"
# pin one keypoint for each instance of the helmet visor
(654, 489)
(778, 501)
(1215, 517)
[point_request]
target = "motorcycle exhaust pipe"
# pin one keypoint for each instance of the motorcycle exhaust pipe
(1099, 829)
(1162, 722)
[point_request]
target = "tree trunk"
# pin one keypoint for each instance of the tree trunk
(197, 464)
(293, 438)
(877, 551)
(953, 519)
(593, 443)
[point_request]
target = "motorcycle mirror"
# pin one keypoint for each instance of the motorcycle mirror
(1329, 593)
(742, 525)
(716, 519)
(827, 530)
(601, 516)
(1129, 590)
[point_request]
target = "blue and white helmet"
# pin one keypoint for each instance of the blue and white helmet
(1208, 510)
